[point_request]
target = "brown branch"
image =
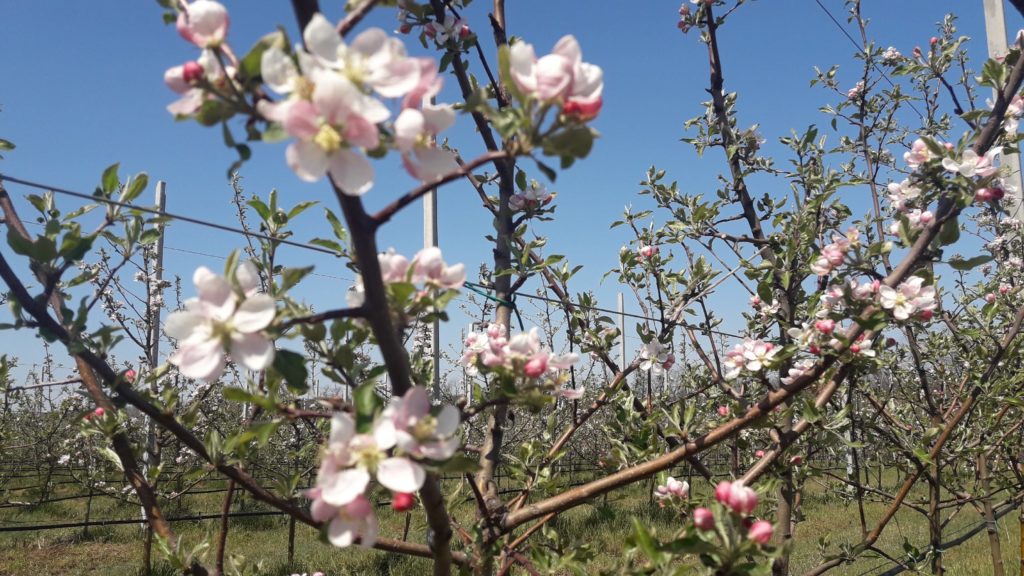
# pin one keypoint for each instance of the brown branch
(464, 170)
(356, 16)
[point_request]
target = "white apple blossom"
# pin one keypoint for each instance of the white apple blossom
(672, 488)
(971, 164)
(900, 194)
(919, 154)
(798, 370)
(452, 28)
(416, 431)
(429, 267)
(560, 77)
(203, 23)
(535, 195)
(374, 59)
(908, 299)
(655, 355)
(221, 320)
(415, 132)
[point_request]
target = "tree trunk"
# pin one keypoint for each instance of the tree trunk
(990, 520)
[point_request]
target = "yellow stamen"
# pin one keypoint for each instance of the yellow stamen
(328, 138)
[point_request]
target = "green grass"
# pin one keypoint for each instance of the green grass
(117, 550)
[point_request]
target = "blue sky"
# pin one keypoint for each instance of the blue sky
(82, 88)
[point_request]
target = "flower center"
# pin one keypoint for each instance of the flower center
(328, 138)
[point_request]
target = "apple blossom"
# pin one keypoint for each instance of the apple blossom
(393, 266)
(856, 91)
(430, 268)
(825, 326)
(415, 430)
(351, 459)
(646, 252)
(971, 164)
(988, 194)
(520, 355)
(902, 193)
(655, 356)
(534, 196)
(990, 298)
(374, 59)
(723, 411)
(704, 519)
(735, 495)
(891, 55)
(759, 454)
(761, 532)
(219, 321)
(185, 80)
(415, 132)
(918, 154)
(908, 299)
(450, 29)
(203, 23)
(672, 488)
(560, 77)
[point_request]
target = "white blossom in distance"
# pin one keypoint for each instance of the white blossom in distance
(220, 321)
(908, 299)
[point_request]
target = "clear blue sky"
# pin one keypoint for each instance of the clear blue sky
(82, 88)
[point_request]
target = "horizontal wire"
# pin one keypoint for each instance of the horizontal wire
(302, 245)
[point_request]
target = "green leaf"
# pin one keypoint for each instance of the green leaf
(292, 276)
(547, 170)
(339, 229)
(260, 208)
(574, 142)
(300, 208)
(135, 187)
(110, 181)
(20, 245)
(367, 404)
(213, 112)
(292, 367)
(233, 394)
(645, 541)
(149, 236)
(958, 263)
(6, 144)
(950, 232)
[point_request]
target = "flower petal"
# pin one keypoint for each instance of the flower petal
(181, 324)
(255, 313)
(254, 351)
(278, 70)
(321, 39)
(351, 172)
(345, 486)
(400, 475)
(307, 160)
(201, 360)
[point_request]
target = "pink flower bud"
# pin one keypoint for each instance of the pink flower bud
(983, 195)
(947, 145)
(536, 366)
(405, 28)
(1004, 288)
(430, 29)
(889, 342)
(98, 412)
(464, 32)
(648, 251)
(759, 454)
(933, 41)
(796, 460)
(990, 298)
(925, 315)
(855, 348)
(130, 375)
(917, 51)
(741, 499)
(723, 411)
(761, 532)
(722, 491)
(703, 519)
(814, 349)
(402, 501)
(191, 72)
(825, 326)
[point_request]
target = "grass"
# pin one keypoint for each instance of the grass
(117, 550)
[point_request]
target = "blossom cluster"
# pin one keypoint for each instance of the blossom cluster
(223, 318)
(742, 501)
(331, 106)
(427, 267)
(535, 196)
(833, 255)
(203, 23)
(751, 355)
(401, 437)
(522, 355)
(672, 489)
(655, 356)
(561, 78)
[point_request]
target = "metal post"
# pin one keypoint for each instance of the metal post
(995, 31)
(429, 240)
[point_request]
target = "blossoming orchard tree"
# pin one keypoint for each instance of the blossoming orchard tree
(889, 334)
